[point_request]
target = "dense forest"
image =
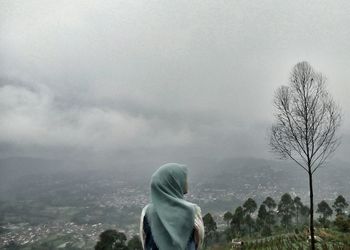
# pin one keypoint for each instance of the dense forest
(274, 224)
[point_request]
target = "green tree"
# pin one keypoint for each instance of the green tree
(286, 210)
(12, 245)
(237, 220)
(262, 216)
(325, 210)
(304, 212)
(249, 221)
(111, 240)
(228, 234)
(135, 243)
(249, 206)
(342, 223)
(298, 205)
(271, 205)
(340, 204)
(209, 229)
(120, 242)
(228, 217)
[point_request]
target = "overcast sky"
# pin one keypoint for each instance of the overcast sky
(161, 80)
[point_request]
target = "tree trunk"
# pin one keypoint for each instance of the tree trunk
(312, 233)
(297, 217)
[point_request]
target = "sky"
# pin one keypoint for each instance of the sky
(148, 82)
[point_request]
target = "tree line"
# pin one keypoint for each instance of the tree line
(112, 239)
(250, 220)
(271, 217)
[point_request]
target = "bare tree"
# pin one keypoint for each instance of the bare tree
(306, 121)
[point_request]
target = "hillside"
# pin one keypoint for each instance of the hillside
(61, 202)
(328, 240)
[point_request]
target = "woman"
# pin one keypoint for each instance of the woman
(169, 222)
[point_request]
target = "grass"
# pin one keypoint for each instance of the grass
(331, 240)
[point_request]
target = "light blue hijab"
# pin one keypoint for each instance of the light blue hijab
(171, 217)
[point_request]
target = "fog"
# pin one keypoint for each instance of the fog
(140, 83)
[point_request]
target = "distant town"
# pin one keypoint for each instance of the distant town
(70, 211)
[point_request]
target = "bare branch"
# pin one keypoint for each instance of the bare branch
(306, 119)
(306, 123)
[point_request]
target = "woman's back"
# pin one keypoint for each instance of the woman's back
(149, 243)
(169, 222)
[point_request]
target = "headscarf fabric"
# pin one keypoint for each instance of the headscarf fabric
(171, 217)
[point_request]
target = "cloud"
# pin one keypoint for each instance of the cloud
(158, 79)
(33, 116)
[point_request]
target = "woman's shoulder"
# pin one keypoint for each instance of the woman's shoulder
(196, 208)
(197, 212)
(198, 225)
(144, 210)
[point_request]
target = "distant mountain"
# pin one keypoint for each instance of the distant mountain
(276, 177)
(250, 175)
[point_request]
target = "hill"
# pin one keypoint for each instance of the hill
(328, 240)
